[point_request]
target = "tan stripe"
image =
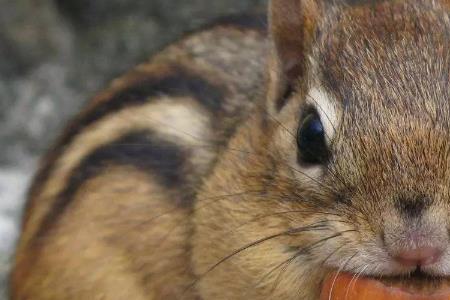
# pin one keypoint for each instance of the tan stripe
(180, 120)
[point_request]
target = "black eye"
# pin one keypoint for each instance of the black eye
(312, 148)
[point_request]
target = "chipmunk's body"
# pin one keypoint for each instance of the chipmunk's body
(109, 212)
(191, 178)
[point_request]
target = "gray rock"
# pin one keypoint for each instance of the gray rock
(58, 53)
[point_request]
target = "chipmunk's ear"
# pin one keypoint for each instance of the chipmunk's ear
(292, 25)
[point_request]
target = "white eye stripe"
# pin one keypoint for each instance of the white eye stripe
(327, 109)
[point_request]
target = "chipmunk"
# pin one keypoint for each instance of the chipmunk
(245, 164)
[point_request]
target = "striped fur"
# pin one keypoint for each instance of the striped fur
(143, 146)
(183, 179)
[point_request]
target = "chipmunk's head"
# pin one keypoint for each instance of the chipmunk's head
(348, 167)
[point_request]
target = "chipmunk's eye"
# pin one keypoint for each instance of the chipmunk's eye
(312, 147)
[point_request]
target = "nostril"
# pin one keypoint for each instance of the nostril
(421, 256)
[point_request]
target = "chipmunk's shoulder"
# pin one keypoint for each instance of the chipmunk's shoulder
(142, 145)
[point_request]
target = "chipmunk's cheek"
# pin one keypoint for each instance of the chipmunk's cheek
(345, 287)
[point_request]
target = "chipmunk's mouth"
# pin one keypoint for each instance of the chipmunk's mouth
(416, 286)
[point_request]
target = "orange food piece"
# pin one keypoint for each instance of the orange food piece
(345, 287)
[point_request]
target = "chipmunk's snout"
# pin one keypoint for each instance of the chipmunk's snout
(416, 245)
(415, 238)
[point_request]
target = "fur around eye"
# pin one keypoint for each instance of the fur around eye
(312, 147)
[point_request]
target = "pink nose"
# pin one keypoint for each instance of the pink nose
(421, 256)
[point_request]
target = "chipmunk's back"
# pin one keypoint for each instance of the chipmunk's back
(108, 213)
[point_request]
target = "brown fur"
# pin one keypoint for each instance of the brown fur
(386, 68)
(132, 231)
(261, 225)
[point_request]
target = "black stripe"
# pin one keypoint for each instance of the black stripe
(179, 82)
(164, 160)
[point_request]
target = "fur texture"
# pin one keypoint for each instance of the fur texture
(184, 182)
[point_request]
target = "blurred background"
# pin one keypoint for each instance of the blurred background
(54, 55)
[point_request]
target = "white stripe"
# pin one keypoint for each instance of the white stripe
(327, 109)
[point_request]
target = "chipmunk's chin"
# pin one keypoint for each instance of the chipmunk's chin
(345, 286)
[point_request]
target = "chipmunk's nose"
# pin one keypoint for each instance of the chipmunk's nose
(415, 238)
(420, 256)
(416, 245)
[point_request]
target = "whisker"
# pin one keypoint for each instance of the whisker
(213, 200)
(353, 281)
(232, 150)
(214, 143)
(255, 243)
(339, 271)
(331, 254)
(299, 253)
(258, 218)
(278, 122)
